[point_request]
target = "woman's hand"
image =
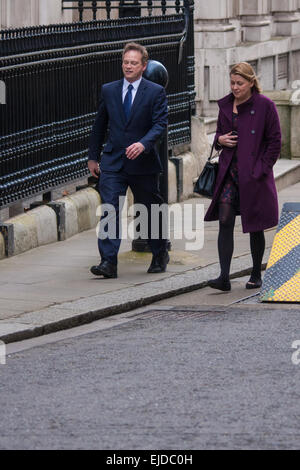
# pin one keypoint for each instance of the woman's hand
(228, 140)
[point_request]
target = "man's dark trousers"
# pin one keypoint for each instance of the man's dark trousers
(145, 190)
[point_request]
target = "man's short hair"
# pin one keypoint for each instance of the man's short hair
(134, 46)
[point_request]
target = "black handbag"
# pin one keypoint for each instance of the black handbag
(205, 184)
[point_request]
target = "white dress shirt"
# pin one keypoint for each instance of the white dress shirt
(134, 90)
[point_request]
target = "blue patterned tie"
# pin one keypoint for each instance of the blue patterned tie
(128, 101)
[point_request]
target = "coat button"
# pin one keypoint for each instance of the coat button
(253, 131)
(252, 112)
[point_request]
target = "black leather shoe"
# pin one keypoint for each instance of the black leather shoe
(105, 269)
(219, 284)
(159, 263)
(253, 284)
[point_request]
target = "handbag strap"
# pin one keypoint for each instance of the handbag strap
(211, 156)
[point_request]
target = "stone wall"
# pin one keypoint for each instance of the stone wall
(20, 13)
(287, 103)
(265, 33)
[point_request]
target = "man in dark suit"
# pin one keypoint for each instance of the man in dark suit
(133, 112)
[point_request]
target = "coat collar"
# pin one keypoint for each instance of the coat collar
(226, 104)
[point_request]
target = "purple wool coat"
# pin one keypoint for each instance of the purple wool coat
(259, 144)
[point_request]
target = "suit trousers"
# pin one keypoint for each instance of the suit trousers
(145, 189)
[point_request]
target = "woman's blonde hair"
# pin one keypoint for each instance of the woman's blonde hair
(246, 71)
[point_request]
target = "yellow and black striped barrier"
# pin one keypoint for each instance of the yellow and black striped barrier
(282, 277)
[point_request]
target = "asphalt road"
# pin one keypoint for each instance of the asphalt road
(191, 378)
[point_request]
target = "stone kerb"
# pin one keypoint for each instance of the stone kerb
(172, 183)
(2, 246)
(200, 146)
(190, 174)
(77, 212)
(26, 231)
(288, 106)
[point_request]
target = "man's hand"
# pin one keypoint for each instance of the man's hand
(94, 168)
(134, 150)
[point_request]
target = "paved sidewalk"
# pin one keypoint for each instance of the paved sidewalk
(51, 287)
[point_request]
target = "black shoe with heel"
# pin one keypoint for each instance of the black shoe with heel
(219, 284)
(253, 284)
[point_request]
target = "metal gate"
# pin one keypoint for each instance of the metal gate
(53, 74)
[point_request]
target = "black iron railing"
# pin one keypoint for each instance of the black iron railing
(53, 78)
(125, 8)
(52, 37)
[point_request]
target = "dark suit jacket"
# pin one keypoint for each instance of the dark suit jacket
(147, 121)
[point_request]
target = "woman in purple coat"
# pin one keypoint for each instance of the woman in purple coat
(248, 132)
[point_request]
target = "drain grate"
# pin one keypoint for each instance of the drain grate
(181, 314)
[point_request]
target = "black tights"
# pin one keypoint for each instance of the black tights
(227, 215)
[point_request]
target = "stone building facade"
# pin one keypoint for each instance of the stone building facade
(22, 13)
(265, 33)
